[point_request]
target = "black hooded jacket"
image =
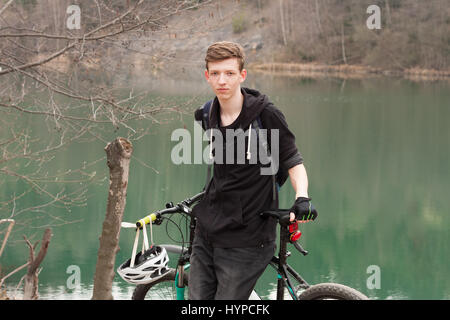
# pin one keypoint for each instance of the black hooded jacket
(228, 215)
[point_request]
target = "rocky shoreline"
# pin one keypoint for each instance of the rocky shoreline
(346, 71)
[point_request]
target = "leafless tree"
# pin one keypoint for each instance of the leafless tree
(30, 291)
(61, 78)
(67, 80)
(413, 33)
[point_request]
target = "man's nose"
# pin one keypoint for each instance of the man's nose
(222, 78)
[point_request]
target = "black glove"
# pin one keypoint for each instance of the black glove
(303, 209)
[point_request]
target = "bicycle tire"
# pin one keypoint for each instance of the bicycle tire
(325, 291)
(141, 291)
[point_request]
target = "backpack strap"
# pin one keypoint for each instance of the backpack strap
(281, 175)
(206, 113)
(257, 125)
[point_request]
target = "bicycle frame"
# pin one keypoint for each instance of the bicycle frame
(283, 269)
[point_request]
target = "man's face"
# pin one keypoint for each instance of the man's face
(225, 78)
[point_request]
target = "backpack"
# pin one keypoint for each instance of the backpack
(277, 180)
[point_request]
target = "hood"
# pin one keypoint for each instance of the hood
(254, 104)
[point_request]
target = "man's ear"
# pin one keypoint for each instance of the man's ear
(243, 75)
(206, 75)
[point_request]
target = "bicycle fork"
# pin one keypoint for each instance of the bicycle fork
(183, 263)
(179, 283)
(179, 277)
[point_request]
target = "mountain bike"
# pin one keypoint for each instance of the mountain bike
(290, 284)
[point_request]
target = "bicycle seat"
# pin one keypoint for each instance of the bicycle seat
(282, 215)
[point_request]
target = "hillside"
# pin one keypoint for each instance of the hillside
(414, 38)
(287, 36)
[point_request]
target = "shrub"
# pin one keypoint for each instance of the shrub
(239, 23)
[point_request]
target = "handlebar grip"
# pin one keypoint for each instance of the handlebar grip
(146, 220)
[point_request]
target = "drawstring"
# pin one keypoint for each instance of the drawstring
(249, 155)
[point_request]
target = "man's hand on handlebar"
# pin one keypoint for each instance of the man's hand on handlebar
(303, 210)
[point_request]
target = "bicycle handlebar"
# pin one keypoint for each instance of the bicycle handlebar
(283, 217)
(182, 207)
(190, 201)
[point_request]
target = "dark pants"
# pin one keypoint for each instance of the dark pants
(226, 273)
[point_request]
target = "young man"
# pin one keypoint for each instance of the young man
(233, 244)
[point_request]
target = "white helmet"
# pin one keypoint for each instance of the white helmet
(149, 266)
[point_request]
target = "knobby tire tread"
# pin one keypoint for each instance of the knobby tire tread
(331, 291)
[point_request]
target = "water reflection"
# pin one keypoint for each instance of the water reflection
(377, 157)
(83, 292)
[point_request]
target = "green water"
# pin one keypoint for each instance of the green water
(377, 156)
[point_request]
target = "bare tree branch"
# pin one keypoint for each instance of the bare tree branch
(61, 78)
(5, 6)
(2, 280)
(72, 44)
(8, 231)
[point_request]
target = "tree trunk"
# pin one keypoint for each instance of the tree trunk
(388, 11)
(30, 288)
(283, 29)
(344, 57)
(318, 16)
(118, 154)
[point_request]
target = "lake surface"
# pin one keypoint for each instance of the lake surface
(377, 153)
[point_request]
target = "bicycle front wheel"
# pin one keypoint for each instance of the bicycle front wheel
(161, 289)
(331, 291)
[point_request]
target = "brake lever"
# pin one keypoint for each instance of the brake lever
(300, 248)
